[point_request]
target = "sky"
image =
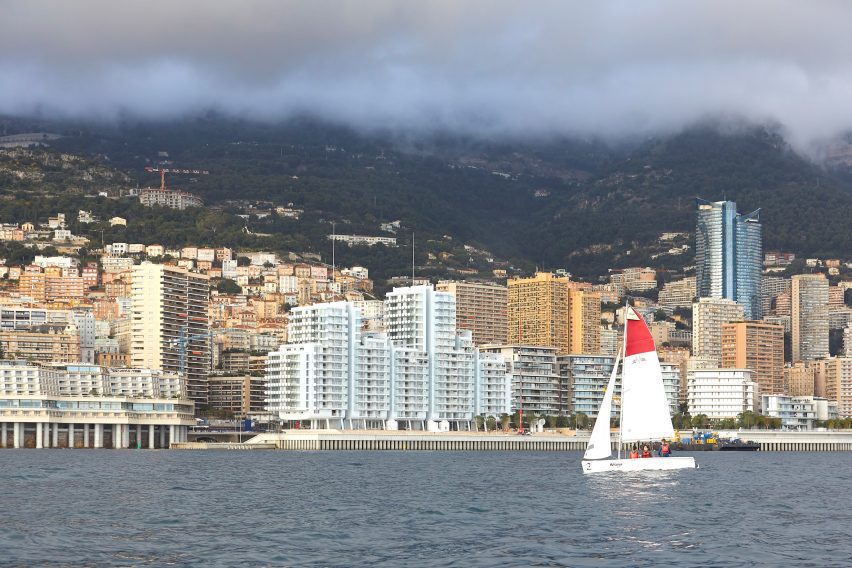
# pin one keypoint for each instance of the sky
(606, 68)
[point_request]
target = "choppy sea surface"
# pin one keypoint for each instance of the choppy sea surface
(276, 508)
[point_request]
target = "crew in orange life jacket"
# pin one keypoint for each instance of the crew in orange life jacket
(665, 450)
(646, 453)
(634, 453)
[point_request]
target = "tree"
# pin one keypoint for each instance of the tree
(228, 286)
(747, 419)
(700, 421)
(727, 424)
(581, 421)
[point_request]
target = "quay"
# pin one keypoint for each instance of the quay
(342, 440)
(220, 446)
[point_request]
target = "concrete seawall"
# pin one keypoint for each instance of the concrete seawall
(395, 441)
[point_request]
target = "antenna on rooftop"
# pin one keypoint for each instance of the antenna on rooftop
(412, 257)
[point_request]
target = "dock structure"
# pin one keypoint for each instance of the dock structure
(330, 440)
(811, 441)
(401, 441)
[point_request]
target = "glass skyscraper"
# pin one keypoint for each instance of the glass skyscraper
(729, 255)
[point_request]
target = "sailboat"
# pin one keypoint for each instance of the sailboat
(644, 408)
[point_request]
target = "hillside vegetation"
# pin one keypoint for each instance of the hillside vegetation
(563, 203)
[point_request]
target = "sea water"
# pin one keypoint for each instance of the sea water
(275, 508)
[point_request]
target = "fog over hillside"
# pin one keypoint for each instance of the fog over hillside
(610, 69)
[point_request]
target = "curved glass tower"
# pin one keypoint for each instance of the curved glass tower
(729, 255)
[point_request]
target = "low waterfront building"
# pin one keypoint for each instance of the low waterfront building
(795, 413)
(721, 393)
(82, 406)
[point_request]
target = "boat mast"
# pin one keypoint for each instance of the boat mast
(623, 352)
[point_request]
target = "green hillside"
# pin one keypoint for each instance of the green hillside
(579, 205)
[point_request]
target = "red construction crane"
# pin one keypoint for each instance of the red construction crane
(164, 171)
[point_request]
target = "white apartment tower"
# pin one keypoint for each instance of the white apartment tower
(420, 374)
(170, 327)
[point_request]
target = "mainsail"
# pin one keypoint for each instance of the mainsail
(644, 408)
(600, 443)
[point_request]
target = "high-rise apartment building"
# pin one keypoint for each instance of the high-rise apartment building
(537, 311)
(480, 308)
(708, 316)
(584, 321)
(729, 256)
(771, 288)
(809, 319)
(536, 385)
(170, 328)
(588, 375)
(838, 384)
(421, 373)
(553, 311)
(757, 346)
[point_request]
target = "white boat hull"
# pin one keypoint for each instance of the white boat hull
(639, 464)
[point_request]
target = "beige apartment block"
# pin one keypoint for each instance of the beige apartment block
(554, 311)
(838, 383)
(584, 322)
(799, 379)
(480, 308)
(708, 316)
(537, 311)
(757, 346)
(46, 343)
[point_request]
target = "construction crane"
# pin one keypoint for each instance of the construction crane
(163, 171)
(183, 339)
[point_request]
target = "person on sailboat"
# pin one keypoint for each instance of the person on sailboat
(646, 453)
(634, 453)
(665, 450)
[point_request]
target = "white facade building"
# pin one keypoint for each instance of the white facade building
(720, 393)
(353, 240)
(90, 406)
(795, 412)
(420, 375)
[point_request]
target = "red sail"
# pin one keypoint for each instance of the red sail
(639, 338)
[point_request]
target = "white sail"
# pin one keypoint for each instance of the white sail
(644, 408)
(600, 442)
